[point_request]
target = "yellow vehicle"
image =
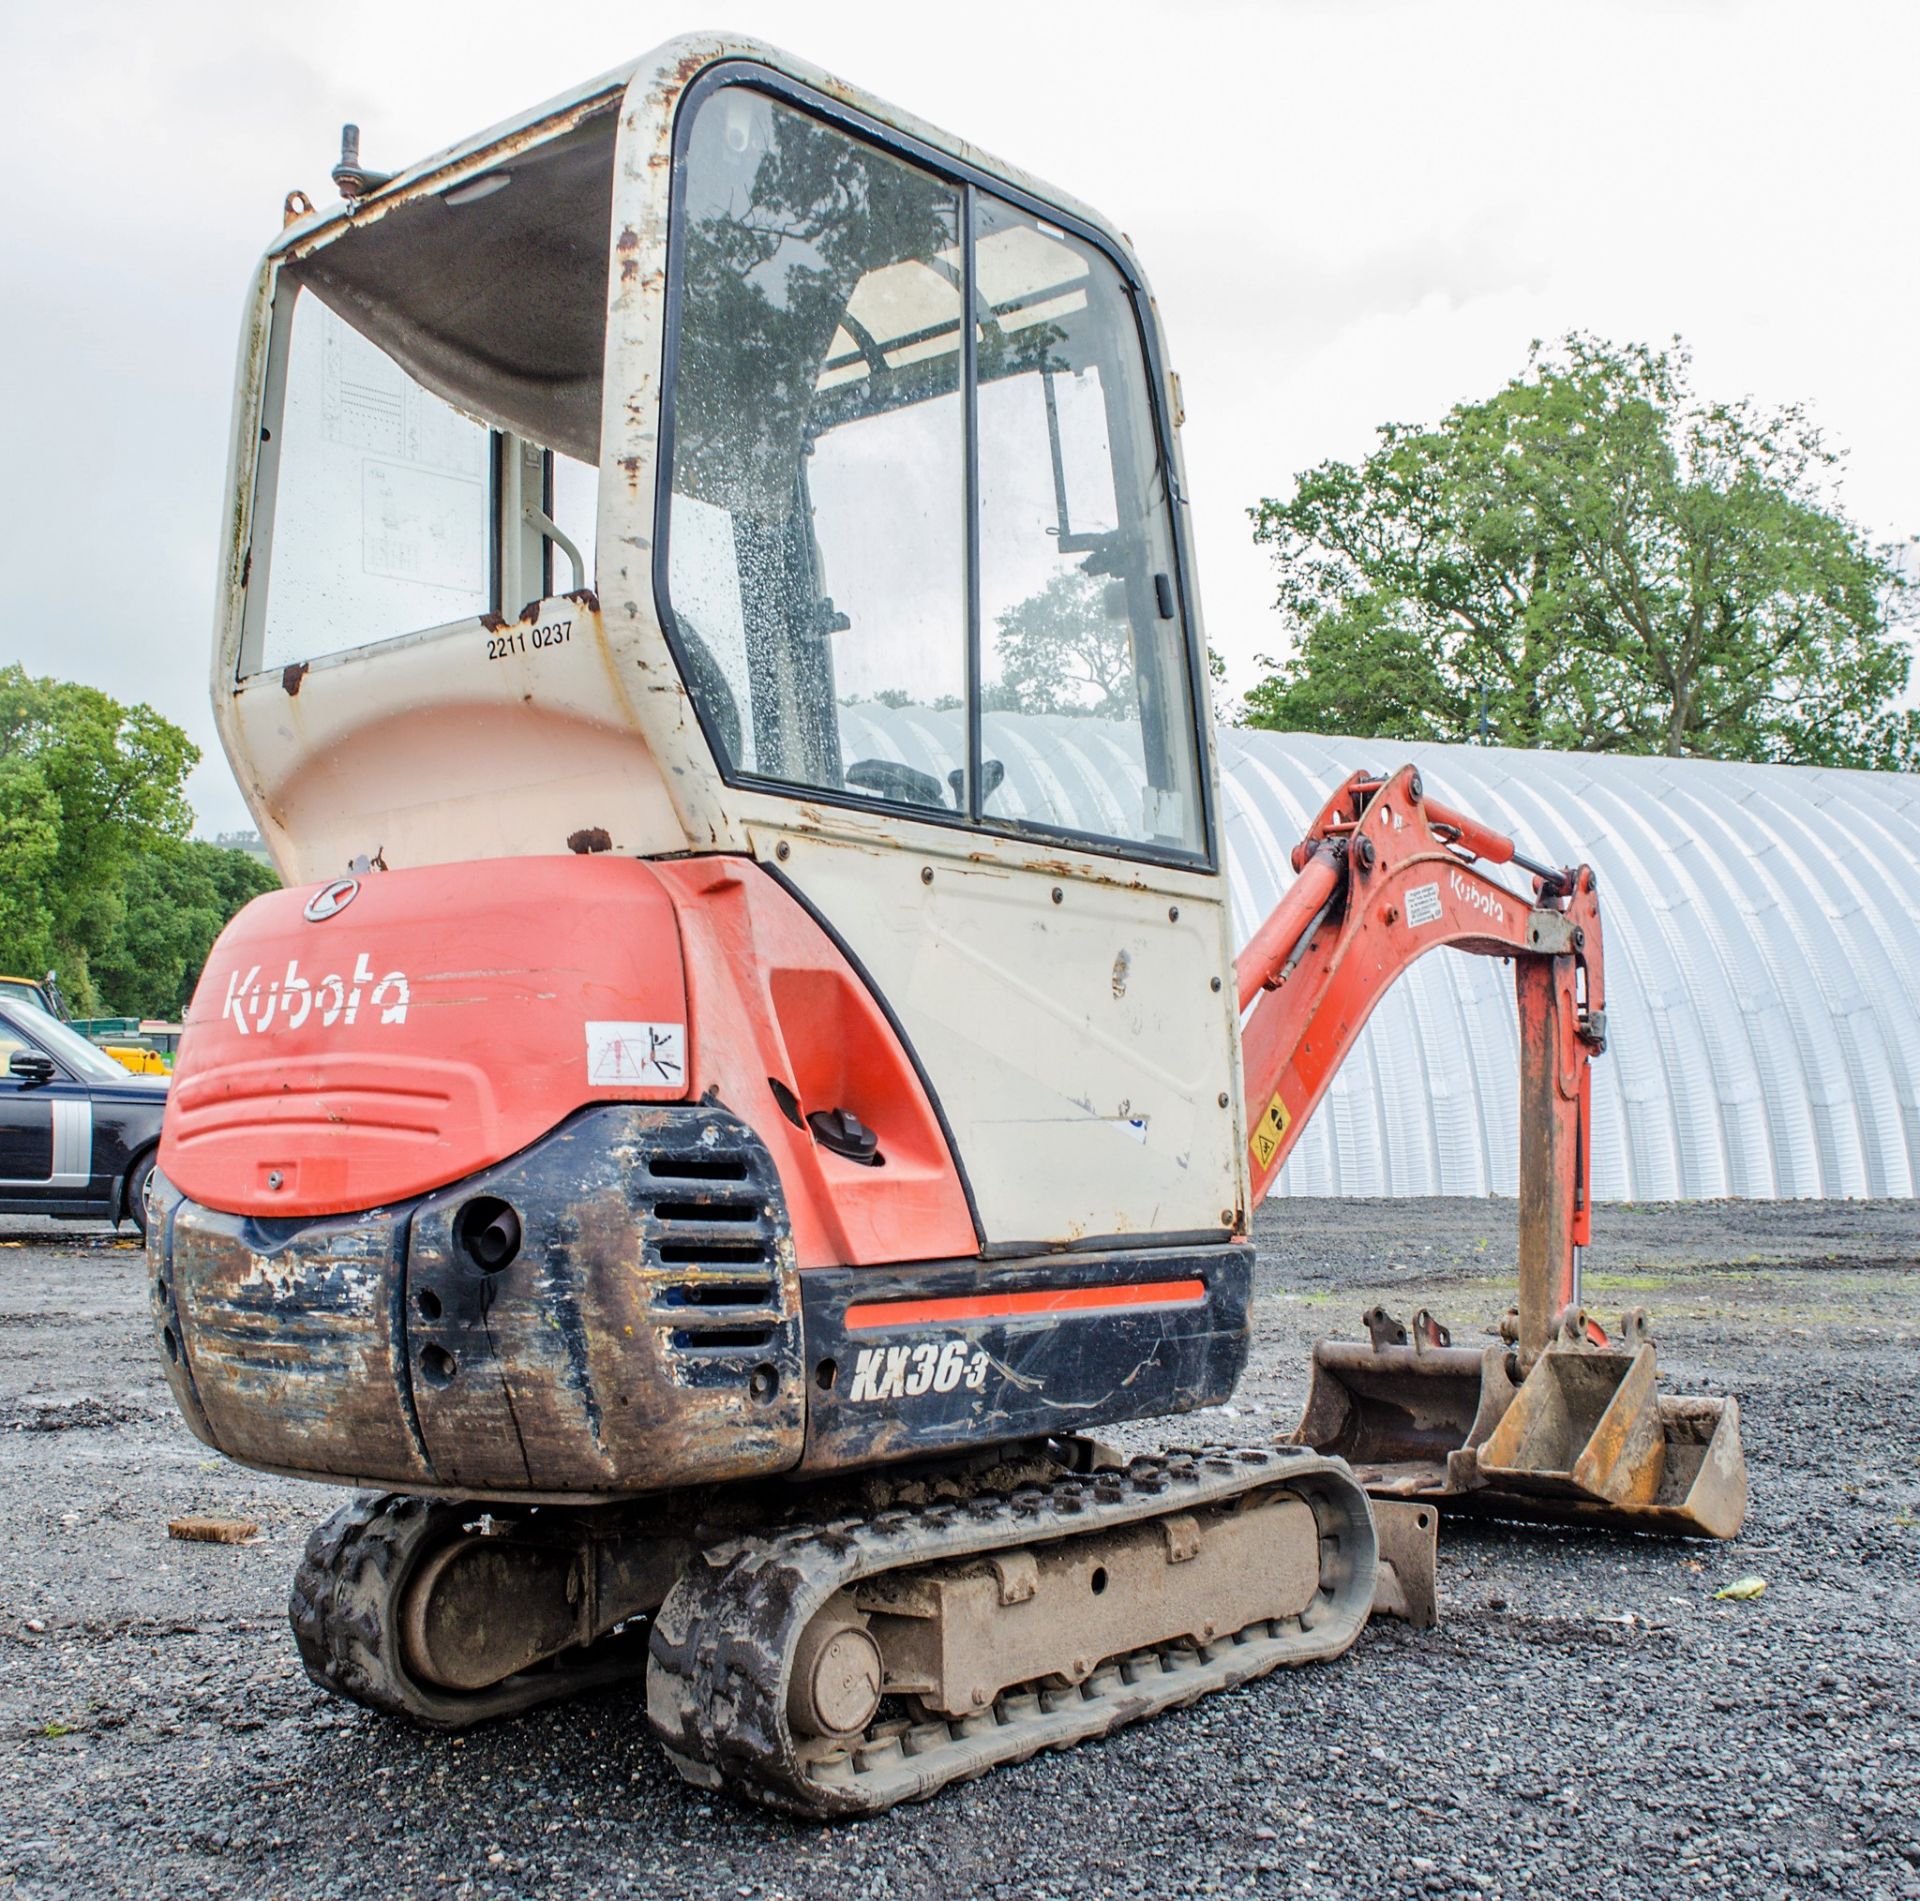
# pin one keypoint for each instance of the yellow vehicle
(135, 1043)
(133, 1056)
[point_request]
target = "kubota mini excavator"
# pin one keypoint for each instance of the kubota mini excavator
(747, 1075)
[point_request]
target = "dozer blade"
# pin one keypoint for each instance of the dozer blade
(1590, 1437)
(1407, 1419)
(1404, 1585)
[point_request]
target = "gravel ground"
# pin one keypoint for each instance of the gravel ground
(1586, 1719)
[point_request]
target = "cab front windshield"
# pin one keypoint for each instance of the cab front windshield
(904, 564)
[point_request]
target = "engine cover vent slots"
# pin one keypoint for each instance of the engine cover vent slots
(728, 1230)
(648, 1316)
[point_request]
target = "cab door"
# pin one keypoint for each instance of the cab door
(1056, 965)
(923, 573)
(1065, 1017)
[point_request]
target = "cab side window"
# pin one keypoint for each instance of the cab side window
(912, 559)
(1084, 688)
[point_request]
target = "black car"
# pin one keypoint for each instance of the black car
(77, 1132)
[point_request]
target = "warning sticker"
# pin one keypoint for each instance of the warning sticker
(1423, 906)
(636, 1055)
(1267, 1132)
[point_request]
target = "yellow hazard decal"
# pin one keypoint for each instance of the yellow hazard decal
(1269, 1130)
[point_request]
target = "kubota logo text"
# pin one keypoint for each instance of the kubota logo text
(907, 1372)
(1479, 899)
(286, 1002)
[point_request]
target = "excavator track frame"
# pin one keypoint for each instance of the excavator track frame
(726, 1640)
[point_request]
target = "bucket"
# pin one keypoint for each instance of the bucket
(1584, 1425)
(1405, 1417)
(1590, 1438)
(1587, 1437)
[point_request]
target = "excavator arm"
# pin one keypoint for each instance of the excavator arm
(1387, 874)
(1558, 1420)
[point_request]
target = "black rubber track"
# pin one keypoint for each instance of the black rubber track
(724, 1641)
(345, 1611)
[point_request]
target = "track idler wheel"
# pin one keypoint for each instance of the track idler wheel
(382, 1607)
(838, 1676)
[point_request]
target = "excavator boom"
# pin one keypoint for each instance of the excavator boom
(1561, 1419)
(1386, 875)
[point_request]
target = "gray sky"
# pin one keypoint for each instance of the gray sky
(1351, 212)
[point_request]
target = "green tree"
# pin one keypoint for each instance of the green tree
(1593, 558)
(29, 844)
(86, 787)
(1065, 649)
(175, 904)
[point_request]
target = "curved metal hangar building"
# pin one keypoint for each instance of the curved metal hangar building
(1763, 975)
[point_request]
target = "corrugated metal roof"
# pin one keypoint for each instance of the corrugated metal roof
(1763, 955)
(1763, 975)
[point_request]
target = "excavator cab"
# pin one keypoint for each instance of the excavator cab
(868, 534)
(628, 478)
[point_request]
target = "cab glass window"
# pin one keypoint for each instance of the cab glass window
(573, 503)
(1086, 708)
(430, 421)
(908, 559)
(816, 565)
(381, 504)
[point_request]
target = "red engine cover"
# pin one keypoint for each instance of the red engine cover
(424, 1023)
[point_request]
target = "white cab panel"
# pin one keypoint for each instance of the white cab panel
(1078, 1049)
(473, 741)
